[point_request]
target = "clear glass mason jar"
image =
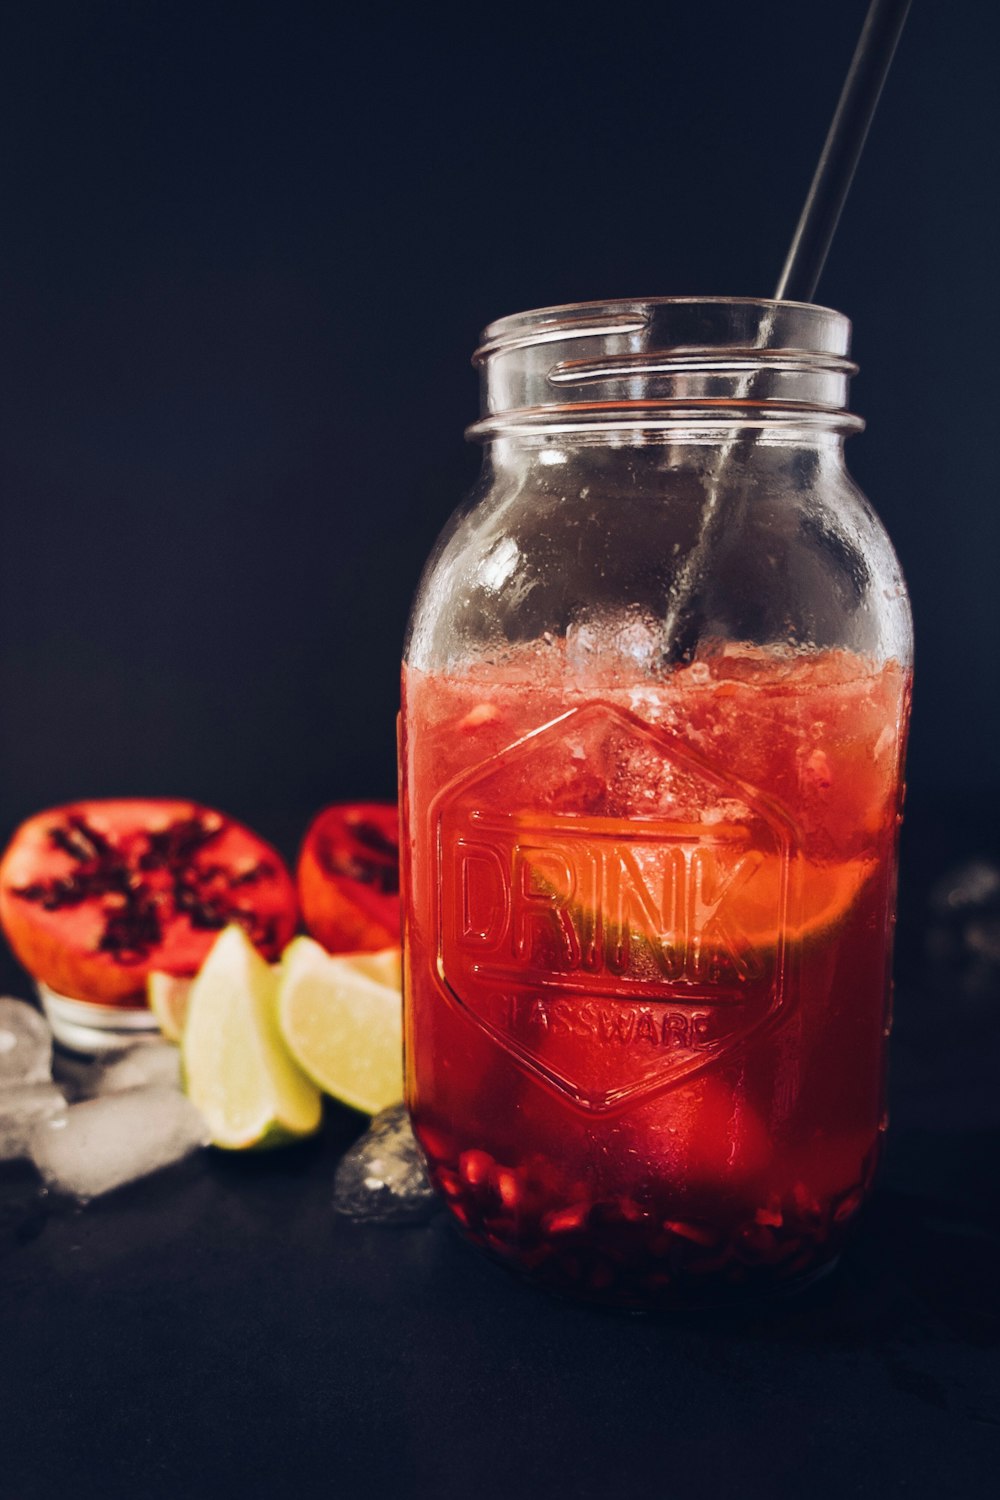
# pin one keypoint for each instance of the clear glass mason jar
(655, 694)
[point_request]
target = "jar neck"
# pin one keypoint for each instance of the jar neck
(548, 459)
(695, 370)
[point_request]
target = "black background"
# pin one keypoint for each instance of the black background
(245, 254)
(247, 250)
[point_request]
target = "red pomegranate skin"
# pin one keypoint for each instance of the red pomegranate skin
(95, 894)
(348, 877)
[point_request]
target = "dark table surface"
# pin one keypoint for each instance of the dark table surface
(218, 1331)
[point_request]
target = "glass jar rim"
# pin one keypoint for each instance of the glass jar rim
(546, 324)
(655, 362)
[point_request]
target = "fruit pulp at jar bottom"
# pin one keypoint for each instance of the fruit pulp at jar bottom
(647, 961)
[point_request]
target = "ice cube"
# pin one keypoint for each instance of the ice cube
(104, 1143)
(969, 887)
(982, 939)
(148, 1065)
(73, 1074)
(25, 1044)
(144, 1065)
(382, 1178)
(605, 639)
(21, 1110)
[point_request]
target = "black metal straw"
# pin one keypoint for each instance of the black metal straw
(797, 283)
(841, 150)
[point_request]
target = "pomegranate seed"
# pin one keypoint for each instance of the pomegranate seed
(698, 1234)
(449, 1183)
(848, 1206)
(564, 1220)
(757, 1242)
(632, 1212)
(768, 1217)
(475, 1167)
(543, 1173)
(498, 1243)
(805, 1202)
(619, 1210)
(506, 1183)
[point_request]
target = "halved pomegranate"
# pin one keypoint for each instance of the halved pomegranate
(349, 877)
(96, 894)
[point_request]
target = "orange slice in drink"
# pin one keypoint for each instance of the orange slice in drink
(819, 895)
(745, 906)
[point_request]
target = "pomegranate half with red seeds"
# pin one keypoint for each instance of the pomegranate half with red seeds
(96, 894)
(348, 877)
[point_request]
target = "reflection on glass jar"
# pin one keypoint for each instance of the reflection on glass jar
(655, 693)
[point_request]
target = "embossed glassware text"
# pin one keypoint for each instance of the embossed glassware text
(655, 696)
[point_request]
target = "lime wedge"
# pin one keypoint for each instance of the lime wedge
(385, 966)
(343, 1028)
(237, 1071)
(168, 998)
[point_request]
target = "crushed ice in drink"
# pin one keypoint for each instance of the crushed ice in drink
(382, 1178)
(104, 1143)
(21, 1110)
(607, 638)
(25, 1044)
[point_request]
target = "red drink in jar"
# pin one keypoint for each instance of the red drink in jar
(649, 920)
